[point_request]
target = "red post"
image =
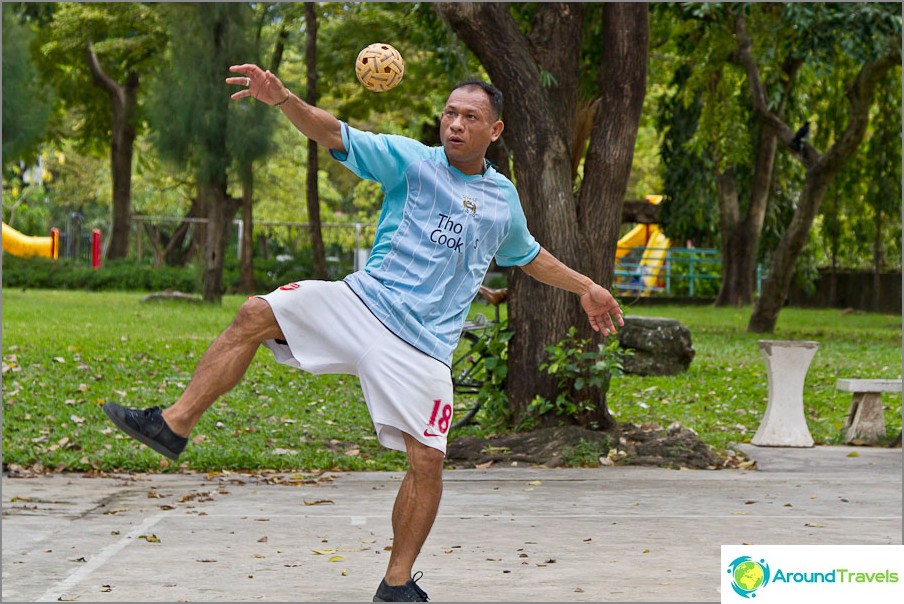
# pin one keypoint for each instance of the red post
(95, 248)
(54, 243)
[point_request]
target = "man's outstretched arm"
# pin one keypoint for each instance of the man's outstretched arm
(601, 307)
(315, 123)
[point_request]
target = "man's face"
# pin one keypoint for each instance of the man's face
(467, 128)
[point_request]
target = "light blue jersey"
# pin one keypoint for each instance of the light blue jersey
(438, 231)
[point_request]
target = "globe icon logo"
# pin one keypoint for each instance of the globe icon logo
(748, 575)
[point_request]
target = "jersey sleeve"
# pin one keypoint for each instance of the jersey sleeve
(379, 157)
(519, 247)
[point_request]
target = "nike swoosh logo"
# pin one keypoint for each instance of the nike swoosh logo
(427, 433)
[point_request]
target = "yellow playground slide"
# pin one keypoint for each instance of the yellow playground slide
(651, 237)
(19, 244)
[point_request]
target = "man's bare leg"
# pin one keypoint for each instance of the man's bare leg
(224, 364)
(415, 508)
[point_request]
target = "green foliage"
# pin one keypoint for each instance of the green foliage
(26, 209)
(494, 345)
(194, 120)
(116, 275)
(26, 101)
(689, 208)
(127, 38)
(581, 373)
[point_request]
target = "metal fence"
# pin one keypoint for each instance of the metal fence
(347, 245)
(686, 272)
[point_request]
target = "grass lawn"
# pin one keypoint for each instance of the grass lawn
(724, 393)
(65, 353)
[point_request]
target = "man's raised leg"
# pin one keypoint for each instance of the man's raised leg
(219, 370)
(224, 364)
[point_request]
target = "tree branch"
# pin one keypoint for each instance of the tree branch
(101, 79)
(808, 154)
(860, 96)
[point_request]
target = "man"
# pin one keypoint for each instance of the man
(446, 214)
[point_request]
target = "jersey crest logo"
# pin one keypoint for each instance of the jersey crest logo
(470, 206)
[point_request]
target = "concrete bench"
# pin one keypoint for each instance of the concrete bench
(865, 422)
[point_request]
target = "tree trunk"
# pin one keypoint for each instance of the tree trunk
(213, 176)
(246, 245)
(221, 210)
(741, 235)
(311, 184)
(124, 100)
(729, 217)
(178, 252)
(540, 132)
(781, 271)
(878, 260)
(622, 79)
(821, 169)
(539, 128)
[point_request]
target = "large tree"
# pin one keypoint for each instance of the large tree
(96, 55)
(534, 55)
(871, 37)
(312, 181)
(197, 124)
(716, 159)
(278, 19)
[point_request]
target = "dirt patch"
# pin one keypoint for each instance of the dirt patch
(635, 445)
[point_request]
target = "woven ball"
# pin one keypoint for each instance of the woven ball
(379, 67)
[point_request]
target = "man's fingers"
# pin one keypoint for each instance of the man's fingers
(245, 69)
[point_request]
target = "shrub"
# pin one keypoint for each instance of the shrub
(115, 275)
(580, 372)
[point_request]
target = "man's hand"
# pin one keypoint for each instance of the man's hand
(261, 85)
(602, 309)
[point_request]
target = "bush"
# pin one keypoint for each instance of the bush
(581, 370)
(115, 275)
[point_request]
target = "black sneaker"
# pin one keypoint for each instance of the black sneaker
(409, 592)
(147, 426)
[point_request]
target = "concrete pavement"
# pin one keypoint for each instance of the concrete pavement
(503, 534)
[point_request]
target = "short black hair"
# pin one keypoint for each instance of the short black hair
(494, 93)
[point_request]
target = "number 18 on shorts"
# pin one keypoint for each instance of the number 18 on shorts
(440, 419)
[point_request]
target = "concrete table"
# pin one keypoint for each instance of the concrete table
(784, 424)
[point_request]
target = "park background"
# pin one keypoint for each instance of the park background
(772, 131)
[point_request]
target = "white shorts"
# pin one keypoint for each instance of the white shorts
(328, 329)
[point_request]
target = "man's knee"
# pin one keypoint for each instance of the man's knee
(423, 460)
(255, 320)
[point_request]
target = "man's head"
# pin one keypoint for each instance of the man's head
(493, 93)
(470, 122)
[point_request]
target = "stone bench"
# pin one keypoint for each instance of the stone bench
(865, 422)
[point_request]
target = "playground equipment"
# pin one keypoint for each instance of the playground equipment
(25, 246)
(655, 251)
(19, 244)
